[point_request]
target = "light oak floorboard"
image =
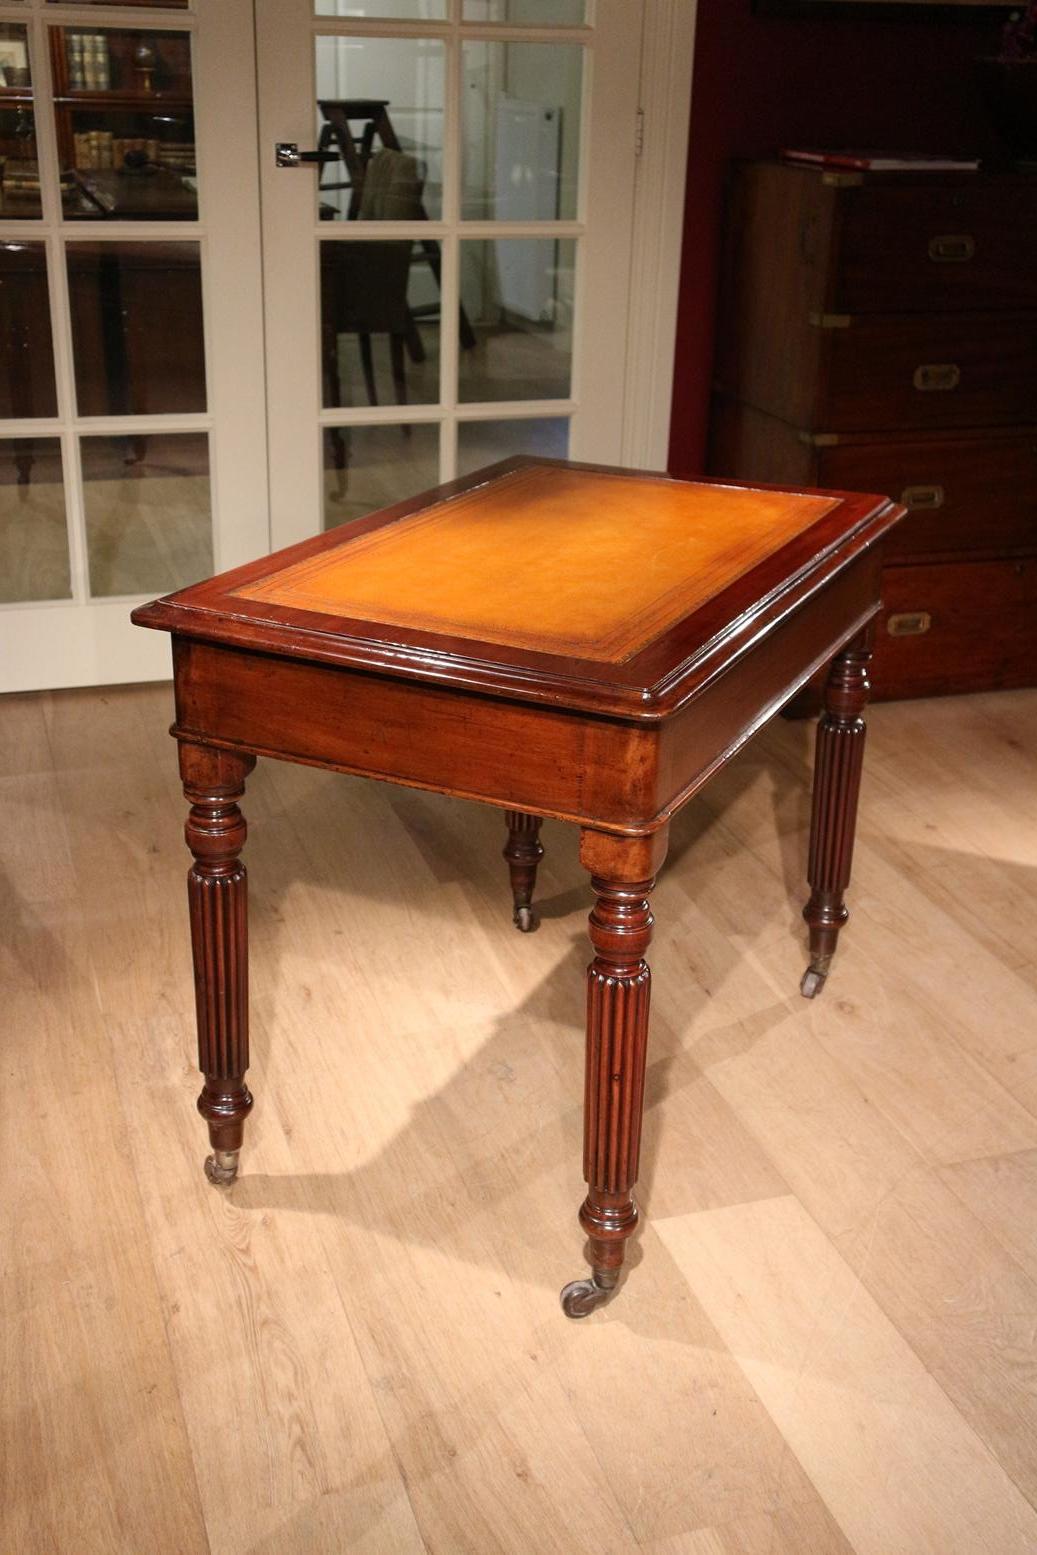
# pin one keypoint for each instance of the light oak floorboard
(897, 1466)
(824, 1345)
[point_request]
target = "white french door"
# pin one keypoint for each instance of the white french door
(132, 411)
(204, 355)
(451, 285)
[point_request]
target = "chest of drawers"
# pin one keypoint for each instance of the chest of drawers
(879, 333)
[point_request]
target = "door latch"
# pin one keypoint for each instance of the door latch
(287, 154)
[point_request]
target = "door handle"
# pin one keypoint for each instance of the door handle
(287, 154)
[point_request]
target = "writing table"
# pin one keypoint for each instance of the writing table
(556, 639)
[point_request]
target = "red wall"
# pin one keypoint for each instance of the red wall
(765, 82)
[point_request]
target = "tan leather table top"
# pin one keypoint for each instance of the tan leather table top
(558, 560)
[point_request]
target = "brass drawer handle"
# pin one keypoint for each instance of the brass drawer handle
(937, 375)
(922, 498)
(909, 623)
(952, 248)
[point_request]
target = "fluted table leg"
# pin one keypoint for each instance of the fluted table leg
(618, 992)
(217, 891)
(838, 760)
(523, 852)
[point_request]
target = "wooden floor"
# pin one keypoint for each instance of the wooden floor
(827, 1340)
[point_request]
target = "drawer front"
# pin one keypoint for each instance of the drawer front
(956, 626)
(930, 372)
(931, 250)
(962, 494)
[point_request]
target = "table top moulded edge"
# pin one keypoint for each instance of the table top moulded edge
(652, 684)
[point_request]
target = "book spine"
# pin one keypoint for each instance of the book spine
(104, 63)
(74, 56)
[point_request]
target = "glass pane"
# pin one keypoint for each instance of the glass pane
(485, 442)
(125, 125)
(163, 5)
(379, 323)
(148, 512)
(393, 10)
(136, 327)
(537, 13)
(27, 360)
(517, 296)
(380, 116)
(366, 468)
(20, 178)
(521, 130)
(33, 535)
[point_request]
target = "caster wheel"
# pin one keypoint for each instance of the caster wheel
(221, 1167)
(582, 1297)
(526, 920)
(812, 984)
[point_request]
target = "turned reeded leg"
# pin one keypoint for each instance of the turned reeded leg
(523, 852)
(837, 777)
(217, 893)
(618, 989)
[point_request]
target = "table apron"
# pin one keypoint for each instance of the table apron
(709, 730)
(550, 761)
(618, 775)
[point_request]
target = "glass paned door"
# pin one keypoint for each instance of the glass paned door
(132, 413)
(447, 238)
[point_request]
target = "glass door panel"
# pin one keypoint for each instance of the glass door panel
(521, 131)
(137, 336)
(533, 13)
(519, 295)
(27, 385)
(380, 120)
(163, 5)
(34, 555)
(124, 117)
(148, 512)
(369, 467)
(385, 10)
(379, 324)
(20, 179)
(485, 442)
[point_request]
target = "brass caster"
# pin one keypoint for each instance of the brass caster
(526, 920)
(813, 982)
(581, 1297)
(221, 1167)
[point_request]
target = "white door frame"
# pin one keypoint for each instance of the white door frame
(667, 56)
(82, 642)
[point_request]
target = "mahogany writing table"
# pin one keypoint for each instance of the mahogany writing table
(556, 639)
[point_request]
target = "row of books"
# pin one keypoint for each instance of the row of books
(19, 177)
(101, 149)
(89, 62)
